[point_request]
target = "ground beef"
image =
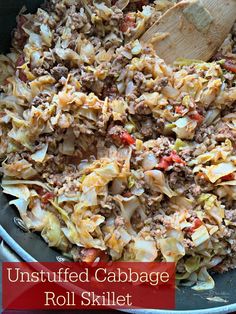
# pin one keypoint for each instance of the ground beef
(230, 215)
(205, 185)
(79, 20)
(139, 79)
(115, 130)
(227, 264)
(40, 71)
(76, 253)
(174, 179)
(119, 221)
(117, 16)
(195, 190)
(142, 108)
(90, 83)
(188, 244)
(147, 128)
(180, 266)
(181, 179)
(20, 36)
(59, 71)
(204, 133)
(163, 82)
(186, 154)
(163, 146)
(224, 132)
(41, 98)
(226, 232)
(159, 125)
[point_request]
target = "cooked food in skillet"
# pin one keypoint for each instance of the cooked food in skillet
(109, 152)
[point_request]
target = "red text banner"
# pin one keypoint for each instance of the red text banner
(117, 285)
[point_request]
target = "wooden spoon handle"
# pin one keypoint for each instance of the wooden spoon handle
(192, 29)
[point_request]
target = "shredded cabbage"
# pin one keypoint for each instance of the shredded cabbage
(171, 249)
(106, 147)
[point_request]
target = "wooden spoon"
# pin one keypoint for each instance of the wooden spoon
(192, 29)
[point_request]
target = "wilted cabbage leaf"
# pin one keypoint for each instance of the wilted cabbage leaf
(155, 179)
(52, 233)
(200, 235)
(40, 155)
(171, 249)
(216, 172)
(204, 281)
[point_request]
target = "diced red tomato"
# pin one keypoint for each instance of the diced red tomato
(141, 3)
(219, 268)
(46, 197)
(228, 177)
(128, 22)
(5, 82)
(20, 61)
(202, 176)
(229, 65)
(179, 109)
(39, 190)
(22, 76)
(197, 117)
(20, 34)
(21, 20)
(196, 224)
(176, 158)
(218, 56)
(90, 255)
(167, 161)
(164, 164)
(127, 194)
(126, 138)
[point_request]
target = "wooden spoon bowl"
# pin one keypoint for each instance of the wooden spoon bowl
(192, 29)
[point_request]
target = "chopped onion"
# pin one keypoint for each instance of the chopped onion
(149, 162)
(130, 88)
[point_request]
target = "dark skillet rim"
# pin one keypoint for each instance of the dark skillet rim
(28, 258)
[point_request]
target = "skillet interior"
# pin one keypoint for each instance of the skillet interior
(30, 246)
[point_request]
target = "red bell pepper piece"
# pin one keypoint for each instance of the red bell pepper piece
(128, 22)
(176, 158)
(126, 138)
(90, 255)
(197, 117)
(228, 177)
(179, 109)
(20, 61)
(167, 161)
(196, 224)
(46, 197)
(229, 65)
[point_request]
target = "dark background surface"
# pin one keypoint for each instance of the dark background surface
(31, 245)
(9, 9)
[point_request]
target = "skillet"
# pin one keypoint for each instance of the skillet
(31, 247)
